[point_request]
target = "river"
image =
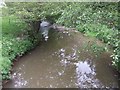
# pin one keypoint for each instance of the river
(64, 62)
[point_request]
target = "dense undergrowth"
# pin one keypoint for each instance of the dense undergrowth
(17, 39)
(98, 20)
(94, 19)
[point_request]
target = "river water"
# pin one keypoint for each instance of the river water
(64, 61)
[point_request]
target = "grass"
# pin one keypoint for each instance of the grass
(12, 25)
(14, 45)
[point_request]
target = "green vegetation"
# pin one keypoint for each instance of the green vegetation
(98, 20)
(10, 24)
(17, 39)
(94, 19)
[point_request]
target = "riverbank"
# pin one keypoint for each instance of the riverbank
(96, 19)
(67, 60)
(17, 39)
(85, 42)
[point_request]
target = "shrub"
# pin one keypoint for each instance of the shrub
(16, 42)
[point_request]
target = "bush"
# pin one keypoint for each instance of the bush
(5, 65)
(99, 20)
(16, 41)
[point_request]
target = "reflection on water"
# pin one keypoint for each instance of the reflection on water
(18, 80)
(68, 58)
(44, 28)
(62, 62)
(86, 75)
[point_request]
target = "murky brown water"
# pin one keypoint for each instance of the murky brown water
(63, 62)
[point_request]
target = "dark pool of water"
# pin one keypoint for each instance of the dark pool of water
(64, 62)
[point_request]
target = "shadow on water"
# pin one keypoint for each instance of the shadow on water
(63, 62)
